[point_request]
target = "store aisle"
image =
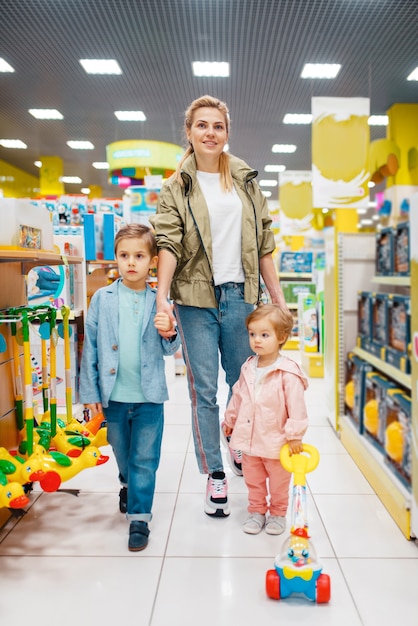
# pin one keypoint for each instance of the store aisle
(67, 561)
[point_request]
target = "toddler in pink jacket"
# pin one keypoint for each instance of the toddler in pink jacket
(267, 409)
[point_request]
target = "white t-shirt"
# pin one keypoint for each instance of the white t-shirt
(225, 216)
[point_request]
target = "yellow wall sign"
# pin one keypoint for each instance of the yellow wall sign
(340, 147)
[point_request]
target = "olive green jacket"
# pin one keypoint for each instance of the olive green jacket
(182, 227)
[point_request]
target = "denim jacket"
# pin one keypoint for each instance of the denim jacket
(100, 359)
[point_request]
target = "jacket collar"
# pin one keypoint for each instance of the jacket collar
(240, 171)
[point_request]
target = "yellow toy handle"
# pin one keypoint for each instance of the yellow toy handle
(299, 464)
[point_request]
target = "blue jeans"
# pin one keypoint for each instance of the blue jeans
(205, 333)
(135, 430)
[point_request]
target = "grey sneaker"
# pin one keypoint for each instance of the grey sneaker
(275, 525)
(254, 523)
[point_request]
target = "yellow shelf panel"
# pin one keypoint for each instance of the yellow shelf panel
(313, 364)
(391, 492)
(386, 368)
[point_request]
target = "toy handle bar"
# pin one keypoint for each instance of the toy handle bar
(299, 464)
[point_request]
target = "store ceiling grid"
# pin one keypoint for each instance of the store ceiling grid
(266, 42)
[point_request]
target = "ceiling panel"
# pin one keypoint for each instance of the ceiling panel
(266, 42)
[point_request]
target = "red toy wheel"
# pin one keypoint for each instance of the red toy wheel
(273, 584)
(323, 589)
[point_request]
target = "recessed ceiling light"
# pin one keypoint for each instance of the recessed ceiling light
(38, 163)
(413, 75)
(101, 66)
(46, 114)
(85, 190)
(13, 143)
(378, 120)
(285, 148)
(268, 183)
(275, 168)
(206, 68)
(267, 193)
(76, 180)
(80, 145)
(5, 67)
(320, 70)
(130, 116)
(297, 118)
(101, 165)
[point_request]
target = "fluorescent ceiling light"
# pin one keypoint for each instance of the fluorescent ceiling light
(297, 118)
(378, 120)
(38, 163)
(101, 165)
(71, 179)
(13, 143)
(5, 67)
(413, 75)
(85, 190)
(207, 68)
(284, 148)
(101, 66)
(268, 183)
(320, 70)
(267, 194)
(275, 168)
(80, 145)
(130, 116)
(46, 114)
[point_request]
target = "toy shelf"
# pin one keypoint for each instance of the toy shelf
(35, 257)
(394, 495)
(295, 275)
(400, 281)
(386, 368)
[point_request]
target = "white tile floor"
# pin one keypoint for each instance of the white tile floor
(66, 561)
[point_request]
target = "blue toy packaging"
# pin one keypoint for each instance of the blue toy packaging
(380, 330)
(398, 435)
(364, 314)
(385, 252)
(356, 369)
(401, 249)
(296, 262)
(399, 322)
(374, 411)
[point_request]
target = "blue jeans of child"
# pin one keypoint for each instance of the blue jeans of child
(134, 430)
(205, 333)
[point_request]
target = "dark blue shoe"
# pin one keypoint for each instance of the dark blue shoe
(138, 536)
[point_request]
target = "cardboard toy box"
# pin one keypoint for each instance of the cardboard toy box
(374, 410)
(356, 369)
(399, 321)
(99, 236)
(401, 250)
(308, 323)
(291, 290)
(296, 262)
(17, 212)
(398, 434)
(364, 314)
(385, 252)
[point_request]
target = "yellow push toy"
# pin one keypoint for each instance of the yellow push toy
(297, 569)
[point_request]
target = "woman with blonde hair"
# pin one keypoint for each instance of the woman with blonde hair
(214, 238)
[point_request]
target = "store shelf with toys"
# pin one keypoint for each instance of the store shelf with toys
(300, 275)
(369, 374)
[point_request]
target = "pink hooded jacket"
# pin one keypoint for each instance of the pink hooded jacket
(261, 427)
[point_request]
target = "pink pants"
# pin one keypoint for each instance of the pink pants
(257, 470)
